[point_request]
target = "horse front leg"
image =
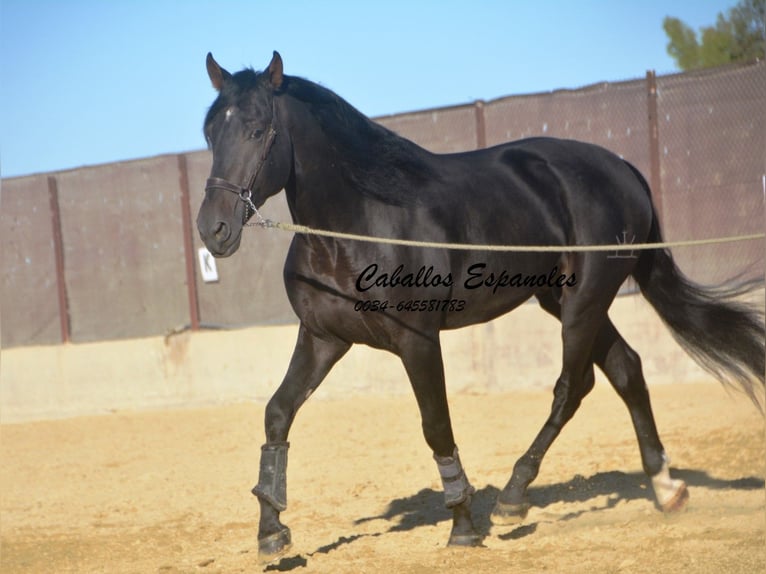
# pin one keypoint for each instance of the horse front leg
(423, 361)
(312, 359)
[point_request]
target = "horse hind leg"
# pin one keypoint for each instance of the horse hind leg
(622, 366)
(579, 325)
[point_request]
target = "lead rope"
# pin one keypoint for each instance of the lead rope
(304, 230)
(246, 195)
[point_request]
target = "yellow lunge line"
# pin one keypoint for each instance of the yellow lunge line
(302, 229)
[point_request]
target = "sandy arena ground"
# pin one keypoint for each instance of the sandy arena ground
(168, 491)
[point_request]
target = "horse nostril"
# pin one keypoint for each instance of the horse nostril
(222, 231)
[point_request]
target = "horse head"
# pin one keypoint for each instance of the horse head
(251, 152)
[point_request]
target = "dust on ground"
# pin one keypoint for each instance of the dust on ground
(168, 491)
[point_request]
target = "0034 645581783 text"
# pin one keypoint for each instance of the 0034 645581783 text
(410, 305)
(477, 277)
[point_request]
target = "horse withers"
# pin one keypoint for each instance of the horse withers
(342, 172)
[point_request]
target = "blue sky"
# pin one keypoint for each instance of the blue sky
(87, 82)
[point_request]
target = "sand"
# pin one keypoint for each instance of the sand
(168, 491)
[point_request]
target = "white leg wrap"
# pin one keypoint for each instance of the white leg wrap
(665, 488)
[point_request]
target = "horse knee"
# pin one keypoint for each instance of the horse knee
(278, 418)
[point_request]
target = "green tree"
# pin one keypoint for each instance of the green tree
(738, 36)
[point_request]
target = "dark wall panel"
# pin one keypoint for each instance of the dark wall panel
(444, 130)
(123, 248)
(712, 130)
(611, 115)
(28, 297)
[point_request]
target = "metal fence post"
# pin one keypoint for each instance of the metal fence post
(481, 126)
(191, 278)
(655, 178)
(58, 254)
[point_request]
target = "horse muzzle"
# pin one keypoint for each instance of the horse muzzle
(222, 238)
(223, 247)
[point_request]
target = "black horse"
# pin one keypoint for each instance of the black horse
(269, 131)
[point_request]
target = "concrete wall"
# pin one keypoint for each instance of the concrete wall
(521, 349)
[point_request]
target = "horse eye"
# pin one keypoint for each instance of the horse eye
(256, 135)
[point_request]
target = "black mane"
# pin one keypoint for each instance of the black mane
(376, 161)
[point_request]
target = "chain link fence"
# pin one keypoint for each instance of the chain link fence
(712, 148)
(110, 251)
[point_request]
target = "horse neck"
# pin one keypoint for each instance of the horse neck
(319, 192)
(331, 166)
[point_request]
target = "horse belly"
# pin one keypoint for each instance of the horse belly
(497, 283)
(482, 309)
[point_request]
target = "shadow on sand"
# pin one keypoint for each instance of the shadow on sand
(426, 508)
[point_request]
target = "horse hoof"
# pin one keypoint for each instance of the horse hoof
(508, 514)
(274, 546)
(465, 540)
(678, 501)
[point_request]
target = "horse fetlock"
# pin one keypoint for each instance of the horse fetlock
(512, 506)
(524, 472)
(671, 494)
(272, 477)
(457, 489)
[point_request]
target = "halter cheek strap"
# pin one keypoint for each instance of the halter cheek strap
(246, 193)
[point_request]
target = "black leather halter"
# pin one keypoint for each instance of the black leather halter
(246, 193)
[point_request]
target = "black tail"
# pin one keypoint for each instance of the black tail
(724, 336)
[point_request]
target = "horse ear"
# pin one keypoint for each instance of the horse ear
(217, 74)
(275, 71)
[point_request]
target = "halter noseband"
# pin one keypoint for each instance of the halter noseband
(246, 193)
